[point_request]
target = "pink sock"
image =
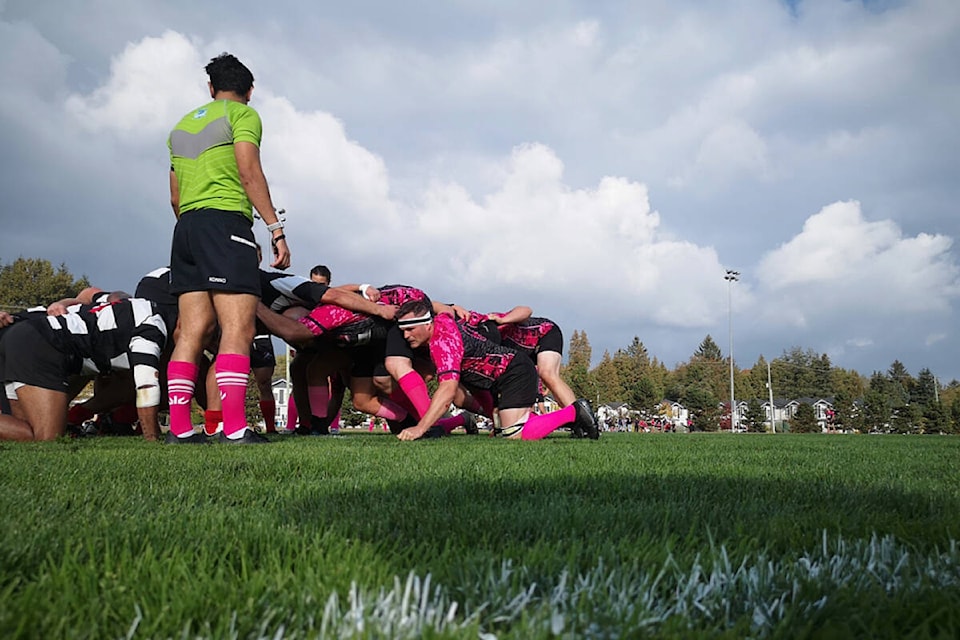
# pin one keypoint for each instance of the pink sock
(398, 396)
(451, 423)
(291, 414)
(232, 372)
(538, 427)
(416, 390)
(181, 383)
(319, 399)
(390, 410)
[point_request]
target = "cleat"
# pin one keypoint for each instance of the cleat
(585, 420)
(194, 438)
(320, 425)
(249, 437)
(396, 426)
(471, 425)
(436, 431)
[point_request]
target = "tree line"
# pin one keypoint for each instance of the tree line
(893, 401)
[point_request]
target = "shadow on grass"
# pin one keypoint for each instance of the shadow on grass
(618, 516)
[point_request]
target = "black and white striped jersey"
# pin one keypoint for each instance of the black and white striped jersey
(155, 286)
(280, 291)
(127, 334)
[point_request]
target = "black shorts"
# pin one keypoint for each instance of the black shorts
(261, 353)
(397, 345)
(366, 361)
(214, 250)
(26, 357)
(516, 388)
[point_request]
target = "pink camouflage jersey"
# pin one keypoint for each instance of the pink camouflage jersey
(461, 353)
(346, 326)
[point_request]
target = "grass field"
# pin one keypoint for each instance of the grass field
(363, 536)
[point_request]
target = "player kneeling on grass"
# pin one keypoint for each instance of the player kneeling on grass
(40, 356)
(461, 355)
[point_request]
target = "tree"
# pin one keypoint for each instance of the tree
(646, 395)
(28, 282)
(703, 407)
(632, 364)
(804, 420)
(842, 411)
(608, 380)
(755, 417)
(876, 411)
(936, 419)
(822, 380)
(794, 375)
(924, 392)
(905, 419)
(577, 372)
(708, 350)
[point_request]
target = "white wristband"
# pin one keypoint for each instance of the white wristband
(276, 225)
(363, 290)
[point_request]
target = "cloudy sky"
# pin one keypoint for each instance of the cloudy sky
(602, 162)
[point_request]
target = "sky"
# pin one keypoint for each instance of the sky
(604, 163)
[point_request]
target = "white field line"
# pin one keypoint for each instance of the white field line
(711, 591)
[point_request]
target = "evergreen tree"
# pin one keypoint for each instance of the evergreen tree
(646, 395)
(905, 419)
(924, 392)
(703, 407)
(899, 384)
(842, 411)
(608, 380)
(822, 379)
(632, 363)
(876, 411)
(708, 350)
(936, 419)
(577, 372)
(755, 418)
(804, 420)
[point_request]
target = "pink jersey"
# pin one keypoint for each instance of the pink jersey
(326, 318)
(525, 336)
(461, 353)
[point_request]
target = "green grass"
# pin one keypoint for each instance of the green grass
(363, 536)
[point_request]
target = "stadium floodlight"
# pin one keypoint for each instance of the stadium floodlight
(731, 277)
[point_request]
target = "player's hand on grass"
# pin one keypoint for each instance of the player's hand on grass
(412, 433)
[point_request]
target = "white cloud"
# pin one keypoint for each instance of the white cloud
(152, 83)
(840, 262)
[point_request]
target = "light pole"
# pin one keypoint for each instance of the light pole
(731, 277)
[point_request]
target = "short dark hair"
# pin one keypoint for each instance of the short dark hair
(322, 271)
(416, 307)
(229, 74)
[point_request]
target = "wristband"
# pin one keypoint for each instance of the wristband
(363, 290)
(280, 237)
(276, 225)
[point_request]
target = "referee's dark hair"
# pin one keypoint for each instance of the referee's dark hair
(229, 74)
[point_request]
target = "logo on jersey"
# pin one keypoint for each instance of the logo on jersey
(199, 114)
(218, 280)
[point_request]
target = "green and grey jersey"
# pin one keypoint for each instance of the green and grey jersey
(202, 156)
